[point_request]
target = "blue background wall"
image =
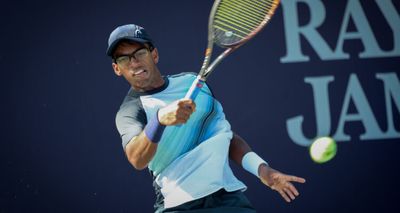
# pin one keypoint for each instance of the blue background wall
(60, 151)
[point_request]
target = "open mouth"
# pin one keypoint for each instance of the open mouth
(139, 72)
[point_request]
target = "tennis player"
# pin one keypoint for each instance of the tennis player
(185, 144)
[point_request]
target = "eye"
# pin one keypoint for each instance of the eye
(141, 53)
(122, 59)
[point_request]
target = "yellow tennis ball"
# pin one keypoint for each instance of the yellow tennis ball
(323, 149)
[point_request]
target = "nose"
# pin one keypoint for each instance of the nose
(133, 60)
(133, 63)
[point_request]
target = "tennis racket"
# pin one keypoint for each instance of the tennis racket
(231, 24)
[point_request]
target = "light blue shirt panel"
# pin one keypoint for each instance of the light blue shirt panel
(207, 121)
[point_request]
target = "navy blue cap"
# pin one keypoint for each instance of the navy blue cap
(129, 32)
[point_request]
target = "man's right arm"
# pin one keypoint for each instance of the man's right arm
(140, 150)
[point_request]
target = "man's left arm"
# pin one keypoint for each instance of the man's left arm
(240, 152)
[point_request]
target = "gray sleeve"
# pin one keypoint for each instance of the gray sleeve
(130, 119)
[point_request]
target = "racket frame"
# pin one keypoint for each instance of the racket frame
(207, 69)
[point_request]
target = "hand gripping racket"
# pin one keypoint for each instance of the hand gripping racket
(231, 24)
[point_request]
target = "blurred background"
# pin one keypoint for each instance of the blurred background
(319, 68)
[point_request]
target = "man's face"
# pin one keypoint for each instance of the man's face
(137, 63)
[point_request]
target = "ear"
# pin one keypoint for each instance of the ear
(155, 56)
(117, 71)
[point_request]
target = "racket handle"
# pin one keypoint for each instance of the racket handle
(195, 88)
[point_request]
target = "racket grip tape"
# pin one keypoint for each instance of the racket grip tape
(194, 90)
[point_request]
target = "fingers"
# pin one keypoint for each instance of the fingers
(177, 112)
(187, 104)
(182, 116)
(296, 179)
(286, 189)
(282, 183)
(294, 190)
(289, 188)
(185, 108)
(283, 194)
(289, 192)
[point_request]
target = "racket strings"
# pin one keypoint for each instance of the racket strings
(235, 20)
(244, 11)
(230, 15)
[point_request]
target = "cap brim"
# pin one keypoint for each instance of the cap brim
(113, 45)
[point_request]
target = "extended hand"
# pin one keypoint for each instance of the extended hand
(280, 182)
(177, 112)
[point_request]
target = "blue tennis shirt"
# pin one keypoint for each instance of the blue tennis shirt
(192, 160)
